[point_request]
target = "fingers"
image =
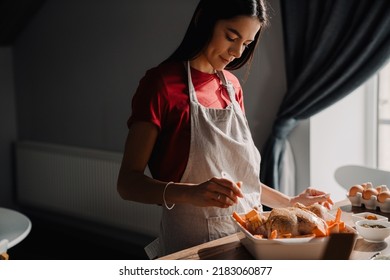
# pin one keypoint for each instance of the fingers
(226, 192)
(327, 205)
(315, 192)
(329, 200)
(222, 200)
(228, 186)
(311, 196)
(326, 199)
(321, 199)
(319, 196)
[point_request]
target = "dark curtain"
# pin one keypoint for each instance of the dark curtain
(331, 47)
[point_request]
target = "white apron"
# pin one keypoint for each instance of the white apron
(220, 142)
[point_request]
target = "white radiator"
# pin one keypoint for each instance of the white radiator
(81, 183)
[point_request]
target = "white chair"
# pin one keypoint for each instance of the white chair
(349, 175)
(14, 227)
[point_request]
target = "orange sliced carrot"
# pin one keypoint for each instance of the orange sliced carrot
(338, 216)
(286, 235)
(318, 232)
(334, 228)
(330, 222)
(239, 219)
(273, 235)
(342, 226)
(251, 214)
(260, 236)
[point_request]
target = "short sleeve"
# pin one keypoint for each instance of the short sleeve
(148, 102)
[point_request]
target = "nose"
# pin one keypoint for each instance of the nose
(236, 51)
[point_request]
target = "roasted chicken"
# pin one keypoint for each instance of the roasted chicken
(295, 221)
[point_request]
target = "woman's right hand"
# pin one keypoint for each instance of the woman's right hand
(135, 186)
(218, 192)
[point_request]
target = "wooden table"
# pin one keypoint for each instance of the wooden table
(230, 247)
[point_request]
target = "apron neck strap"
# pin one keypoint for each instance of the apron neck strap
(220, 75)
(228, 85)
(191, 87)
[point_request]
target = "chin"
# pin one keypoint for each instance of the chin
(219, 67)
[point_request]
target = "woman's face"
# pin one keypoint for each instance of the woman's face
(229, 40)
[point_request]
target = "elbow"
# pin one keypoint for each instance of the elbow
(125, 185)
(121, 187)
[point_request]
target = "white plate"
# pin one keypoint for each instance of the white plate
(14, 226)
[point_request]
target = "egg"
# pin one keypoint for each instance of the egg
(355, 189)
(367, 193)
(367, 185)
(382, 188)
(383, 195)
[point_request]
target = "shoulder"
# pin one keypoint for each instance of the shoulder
(167, 72)
(156, 92)
(159, 81)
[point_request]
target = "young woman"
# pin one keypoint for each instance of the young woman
(188, 125)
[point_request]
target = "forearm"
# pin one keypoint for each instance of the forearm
(135, 186)
(273, 198)
(217, 192)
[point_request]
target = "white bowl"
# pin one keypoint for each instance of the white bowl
(366, 215)
(373, 234)
(286, 249)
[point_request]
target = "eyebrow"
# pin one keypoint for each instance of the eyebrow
(238, 33)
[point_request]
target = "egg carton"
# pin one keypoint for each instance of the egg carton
(371, 203)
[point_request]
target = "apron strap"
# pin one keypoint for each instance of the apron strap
(221, 76)
(191, 89)
(228, 85)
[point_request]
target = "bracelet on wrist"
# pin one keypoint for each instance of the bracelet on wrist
(165, 202)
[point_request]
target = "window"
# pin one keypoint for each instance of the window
(355, 130)
(383, 121)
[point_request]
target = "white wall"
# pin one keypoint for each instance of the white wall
(337, 137)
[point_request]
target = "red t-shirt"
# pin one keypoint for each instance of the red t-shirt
(162, 99)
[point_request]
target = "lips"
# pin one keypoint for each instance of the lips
(226, 60)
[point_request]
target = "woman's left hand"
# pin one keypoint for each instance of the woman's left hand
(311, 196)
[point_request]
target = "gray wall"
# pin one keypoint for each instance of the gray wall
(78, 63)
(8, 127)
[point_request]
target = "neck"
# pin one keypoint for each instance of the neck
(201, 66)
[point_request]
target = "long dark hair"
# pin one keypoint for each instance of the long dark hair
(201, 27)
